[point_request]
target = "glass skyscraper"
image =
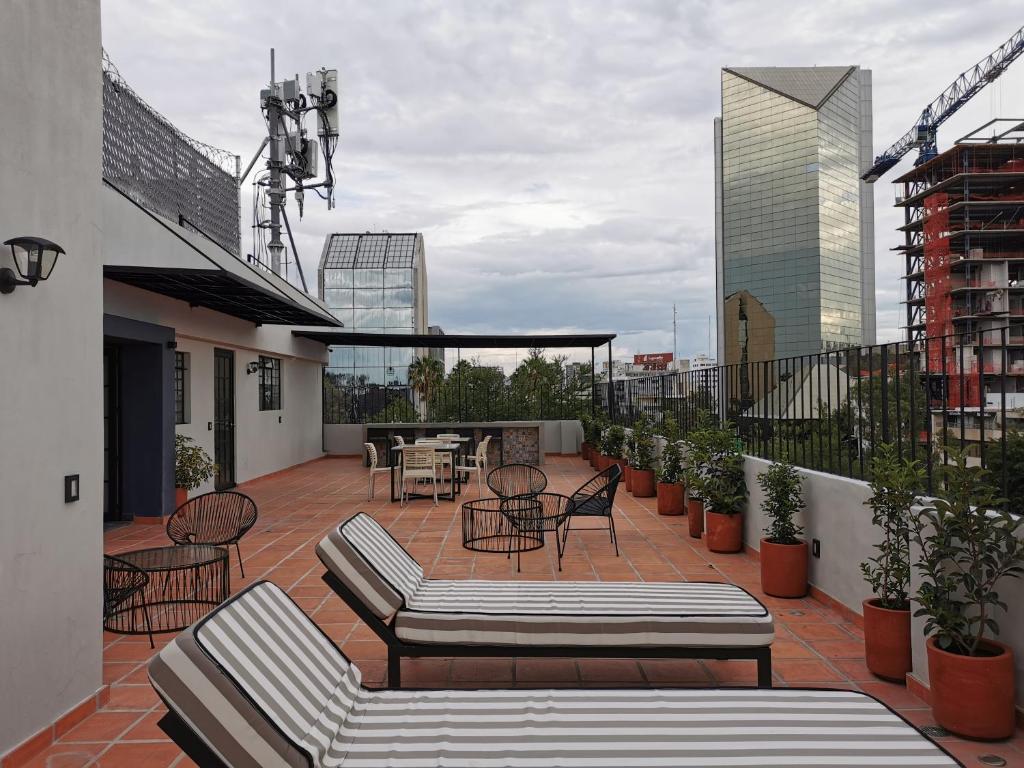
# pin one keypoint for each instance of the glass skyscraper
(374, 283)
(794, 222)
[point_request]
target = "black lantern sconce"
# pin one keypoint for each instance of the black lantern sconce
(252, 368)
(34, 259)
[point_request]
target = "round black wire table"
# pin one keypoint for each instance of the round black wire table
(488, 527)
(546, 513)
(185, 583)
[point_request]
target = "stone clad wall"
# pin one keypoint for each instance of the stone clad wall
(521, 445)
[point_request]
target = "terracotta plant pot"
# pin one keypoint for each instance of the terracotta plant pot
(643, 483)
(783, 569)
(887, 641)
(595, 454)
(585, 451)
(180, 496)
(601, 462)
(670, 499)
(695, 513)
(973, 696)
(621, 462)
(627, 476)
(724, 533)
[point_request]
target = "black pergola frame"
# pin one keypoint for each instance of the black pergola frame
(462, 341)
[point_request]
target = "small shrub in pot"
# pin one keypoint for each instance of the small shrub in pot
(783, 552)
(670, 475)
(642, 459)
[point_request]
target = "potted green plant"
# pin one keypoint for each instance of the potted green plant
(723, 487)
(598, 426)
(192, 468)
(627, 455)
(671, 489)
(783, 552)
(586, 422)
(641, 459)
(697, 446)
(967, 547)
(612, 443)
(894, 486)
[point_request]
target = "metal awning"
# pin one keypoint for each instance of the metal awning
(458, 340)
(146, 251)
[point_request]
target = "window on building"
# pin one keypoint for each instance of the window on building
(181, 388)
(270, 384)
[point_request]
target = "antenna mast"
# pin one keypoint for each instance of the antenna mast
(675, 346)
(293, 156)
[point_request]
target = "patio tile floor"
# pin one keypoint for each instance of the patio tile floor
(815, 645)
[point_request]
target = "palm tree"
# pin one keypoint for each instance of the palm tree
(425, 377)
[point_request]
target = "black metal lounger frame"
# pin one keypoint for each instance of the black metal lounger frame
(397, 648)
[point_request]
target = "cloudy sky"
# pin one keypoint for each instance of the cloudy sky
(557, 156)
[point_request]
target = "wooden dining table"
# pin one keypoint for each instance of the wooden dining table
(451, 446)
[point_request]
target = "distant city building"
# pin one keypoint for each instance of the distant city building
(964, 265)
(437, 353)
(374, 283)
(794, 222)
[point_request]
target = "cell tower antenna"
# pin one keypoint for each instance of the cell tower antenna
(293, 157)
(675, 346)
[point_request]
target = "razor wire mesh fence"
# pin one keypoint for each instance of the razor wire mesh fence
(162, 169)
(830, 411)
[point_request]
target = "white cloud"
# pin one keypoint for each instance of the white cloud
(557, 156)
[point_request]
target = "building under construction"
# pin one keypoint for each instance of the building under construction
(964, 251)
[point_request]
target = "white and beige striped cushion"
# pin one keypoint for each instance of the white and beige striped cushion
(263, 687)
(633, 729)
(584, 613)
(371, 564)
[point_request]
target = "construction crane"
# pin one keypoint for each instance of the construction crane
(962, 90)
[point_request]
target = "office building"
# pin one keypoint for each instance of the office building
(794, 222)
(374, 283)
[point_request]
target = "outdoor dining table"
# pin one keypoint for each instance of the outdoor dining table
(454, 448)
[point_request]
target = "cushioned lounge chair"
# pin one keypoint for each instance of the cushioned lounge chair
(416, 616)
(256, 683)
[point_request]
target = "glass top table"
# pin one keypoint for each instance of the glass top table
(186, 582)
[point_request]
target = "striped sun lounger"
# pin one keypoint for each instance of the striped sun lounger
(416, 616)
(256, 683)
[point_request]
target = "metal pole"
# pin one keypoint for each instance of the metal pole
(611, 386)
(276, 189)
(295, 252)
(593, 385)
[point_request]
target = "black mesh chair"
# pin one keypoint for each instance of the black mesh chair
(124, 590)
(595, 498)
(516, 480)
(220, 518)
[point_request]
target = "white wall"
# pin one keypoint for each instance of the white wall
(836, 516)
(263, 444)
(51, 375)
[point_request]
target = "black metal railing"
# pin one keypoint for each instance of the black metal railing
(829, 411)
(475, 399)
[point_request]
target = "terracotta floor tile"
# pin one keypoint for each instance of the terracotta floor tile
(815, 645)
(105, 725)
(139, 755)
(147, 729)
(62, 755)
(545, 671)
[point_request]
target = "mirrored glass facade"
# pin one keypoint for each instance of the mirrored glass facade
(374, 283)
(789, 205)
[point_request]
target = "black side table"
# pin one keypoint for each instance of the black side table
(488, 527)
(185, 583)
(538, 513)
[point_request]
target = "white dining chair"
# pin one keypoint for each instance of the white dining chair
(399, 440)
(371, 455)
(419, 463)
(476, 463)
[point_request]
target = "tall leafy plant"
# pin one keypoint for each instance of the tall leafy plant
(192, 465)
(612, 441)
(894, 485)
(699, 452)
(783, 498)
(967, 548)
(672, 454)
(723, 485)
(642, 445)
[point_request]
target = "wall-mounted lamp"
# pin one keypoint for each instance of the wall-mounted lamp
(252, 367)
(34, 259)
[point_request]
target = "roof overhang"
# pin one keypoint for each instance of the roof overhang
(144, 250)
(220, 291)
(458, 341)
